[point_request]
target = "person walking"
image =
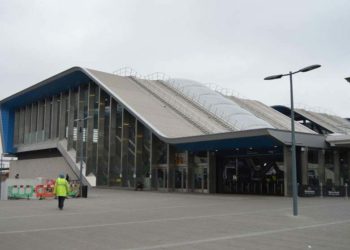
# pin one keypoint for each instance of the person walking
(67, 178)
(61, 190)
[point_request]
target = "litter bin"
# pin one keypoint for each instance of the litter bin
(84, 192)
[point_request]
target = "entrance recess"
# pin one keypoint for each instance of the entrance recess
(181, 179)
(162, 178)
(200, 176)
(251, 174)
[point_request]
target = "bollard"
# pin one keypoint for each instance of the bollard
(346, 191)
(321, 190)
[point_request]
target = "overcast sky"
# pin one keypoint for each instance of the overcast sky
(231, 43)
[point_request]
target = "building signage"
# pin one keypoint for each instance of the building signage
(308, 191)
(333, 193)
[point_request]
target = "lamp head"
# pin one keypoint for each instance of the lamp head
(348, 79)
(308, 68)
(273, 77)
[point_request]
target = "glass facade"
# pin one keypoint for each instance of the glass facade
(159, 164)
(103, 138)
(128, 150)
(143, 155)
(201, 165)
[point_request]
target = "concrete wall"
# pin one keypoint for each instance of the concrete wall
(48, 167)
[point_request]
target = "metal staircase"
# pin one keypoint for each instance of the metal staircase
(70, 156)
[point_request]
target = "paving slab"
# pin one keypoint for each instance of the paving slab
(120, 219)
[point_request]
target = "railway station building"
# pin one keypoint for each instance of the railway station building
(172, 135)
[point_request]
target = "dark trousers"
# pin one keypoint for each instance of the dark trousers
(61, 201)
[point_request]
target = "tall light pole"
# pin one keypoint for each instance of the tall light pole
(294, 167)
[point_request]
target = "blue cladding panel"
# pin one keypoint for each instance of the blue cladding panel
(50, 88)
(56, 86)
(7, 121)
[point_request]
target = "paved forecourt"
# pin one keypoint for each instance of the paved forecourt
(116, 219)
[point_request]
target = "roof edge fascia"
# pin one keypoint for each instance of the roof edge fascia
(42, 83)
(219, 136)
(302, 138)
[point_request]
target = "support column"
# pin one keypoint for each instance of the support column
(211, 172)
(140, 141)
(124, 148)
(336, 168)
(135, 152)
(70, 119)
(80, 123)
(321, 162)
(101, 141)
(152, 169)
(304, 165)
(27, 124)
(90, 130)
(171, 167)
(54, 117)
(32, 124)
(111, 141)
(47, 119)
(190, 162)
(62, 121)
(40, 121)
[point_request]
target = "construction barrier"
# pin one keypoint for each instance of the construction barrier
(20, 191)
(36, 188)
(44, 191)
(74, 189)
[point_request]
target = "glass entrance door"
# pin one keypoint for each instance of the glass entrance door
(201, 179)
(162, 178)
(181, 179)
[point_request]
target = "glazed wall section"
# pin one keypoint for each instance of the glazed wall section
(117, 148)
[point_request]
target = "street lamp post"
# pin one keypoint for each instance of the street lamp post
(294, 167)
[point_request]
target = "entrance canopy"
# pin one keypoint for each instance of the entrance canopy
(338, 140)
(261, 138)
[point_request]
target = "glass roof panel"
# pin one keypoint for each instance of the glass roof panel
(218, 105)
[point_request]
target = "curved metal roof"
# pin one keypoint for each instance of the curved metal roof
(165, 121)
